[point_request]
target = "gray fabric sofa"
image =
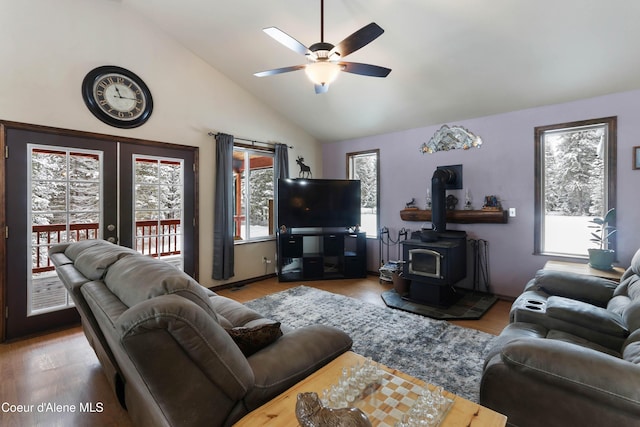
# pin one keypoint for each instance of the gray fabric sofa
(571, 354)
(164, 341)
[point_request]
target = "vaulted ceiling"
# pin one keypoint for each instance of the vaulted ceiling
(450, 59)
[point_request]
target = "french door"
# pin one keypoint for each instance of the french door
(64, 187)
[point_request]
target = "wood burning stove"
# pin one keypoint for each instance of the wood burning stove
(434, 267)
(435, 260)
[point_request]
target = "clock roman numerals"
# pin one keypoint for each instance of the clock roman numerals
(119, 97)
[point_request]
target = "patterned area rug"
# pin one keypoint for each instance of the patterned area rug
(432, 350)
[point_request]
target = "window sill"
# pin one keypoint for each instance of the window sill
(575, 257)
(256, 240)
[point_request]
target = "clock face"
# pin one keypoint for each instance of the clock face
(117, 97)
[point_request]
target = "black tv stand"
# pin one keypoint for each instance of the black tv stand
(316, 255)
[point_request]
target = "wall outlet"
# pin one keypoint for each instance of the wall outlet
(512, 212)
(266, 260)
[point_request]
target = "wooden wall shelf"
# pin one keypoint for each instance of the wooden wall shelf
(458, 216)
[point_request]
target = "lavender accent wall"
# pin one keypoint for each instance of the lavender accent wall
(504, 166)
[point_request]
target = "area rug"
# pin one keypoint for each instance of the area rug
(432, 350)
(471, 306)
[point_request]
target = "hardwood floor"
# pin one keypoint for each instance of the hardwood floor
(61, 368)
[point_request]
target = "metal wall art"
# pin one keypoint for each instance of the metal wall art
(451, 138)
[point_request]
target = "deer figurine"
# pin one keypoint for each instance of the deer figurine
(305, 171)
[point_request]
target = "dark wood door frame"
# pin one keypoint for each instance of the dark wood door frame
(5, 125)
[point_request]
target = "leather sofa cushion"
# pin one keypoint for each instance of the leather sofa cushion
(631, 315)
(105, 306)
(631, 348)
(632, 353)
(590, 289)
(586, 315)
(139, 278)
(296, 355)
(73, 250)
(94, 261)
(232, 314)
(574, 339)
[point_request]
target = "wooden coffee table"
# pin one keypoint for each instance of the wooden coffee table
(280, 411)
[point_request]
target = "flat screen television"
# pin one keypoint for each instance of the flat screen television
(329, 203)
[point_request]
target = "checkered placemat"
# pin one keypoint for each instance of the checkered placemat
(388, 402)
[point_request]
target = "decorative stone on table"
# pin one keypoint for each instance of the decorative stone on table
(311, 413)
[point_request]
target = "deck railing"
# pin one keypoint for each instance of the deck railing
(151, 239)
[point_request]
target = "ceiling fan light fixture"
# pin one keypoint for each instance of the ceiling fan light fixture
(322, 72)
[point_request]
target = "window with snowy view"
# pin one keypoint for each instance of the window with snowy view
(575, 181)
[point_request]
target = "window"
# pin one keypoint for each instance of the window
(364, 166)
(158, 208)
(253, 193)
(66, 194)
(575, 167)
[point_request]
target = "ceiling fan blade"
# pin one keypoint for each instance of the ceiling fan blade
(364, 69)
(285, 39)
(279, 71)
(321, 88)
(357, 40)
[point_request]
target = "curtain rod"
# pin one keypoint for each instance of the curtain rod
(252, 141)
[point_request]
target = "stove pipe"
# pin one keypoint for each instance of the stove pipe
(441, 177)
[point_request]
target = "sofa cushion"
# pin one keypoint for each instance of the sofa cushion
(574, 339)
(139, 278)
(296, 355)
(581, 287)
(94, 261)
(631, 348)
(586, 315)
(631, 316)
(233, 314)
(253, 338)
(74, 249)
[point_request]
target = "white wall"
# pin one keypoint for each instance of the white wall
(46, 49)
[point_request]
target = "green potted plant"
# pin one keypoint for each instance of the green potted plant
(602, 257)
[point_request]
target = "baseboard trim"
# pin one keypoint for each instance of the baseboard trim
(242, 283)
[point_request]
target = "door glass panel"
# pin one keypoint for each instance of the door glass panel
(65, 206)
(158, 202)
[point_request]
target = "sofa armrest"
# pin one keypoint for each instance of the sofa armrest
(581, 287)
(580, 369)
(543, 382)
(172, 325)
(294, 356)
(57, 255)
(587, 315)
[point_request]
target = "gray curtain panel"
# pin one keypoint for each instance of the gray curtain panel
(223, 214)
(280, 171)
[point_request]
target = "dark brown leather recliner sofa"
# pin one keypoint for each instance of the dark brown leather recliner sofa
(163, 340)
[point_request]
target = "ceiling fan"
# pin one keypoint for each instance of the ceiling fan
(325, 59)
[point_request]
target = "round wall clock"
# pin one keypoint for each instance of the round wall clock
(117, 96)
